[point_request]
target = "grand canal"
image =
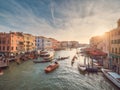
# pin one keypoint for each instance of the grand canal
(31, 76)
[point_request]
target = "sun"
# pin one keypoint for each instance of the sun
(100, 31)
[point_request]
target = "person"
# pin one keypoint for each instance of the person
(56, 62)
(72, 62)
(75, 57)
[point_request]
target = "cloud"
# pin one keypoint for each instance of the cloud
(63, 20)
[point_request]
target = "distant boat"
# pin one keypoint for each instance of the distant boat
(51, 67)
(49, 55)
(112, 76)
(92, 69)
(62, 58)
(87, 69)
(41, 61)
(44, 54)
(81, 67)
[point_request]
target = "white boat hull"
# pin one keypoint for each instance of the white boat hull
(114, 80)
(82, 67)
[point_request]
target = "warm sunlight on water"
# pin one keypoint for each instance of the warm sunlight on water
(31, 76)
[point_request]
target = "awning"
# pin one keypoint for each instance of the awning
(114, 55)
(98, 53)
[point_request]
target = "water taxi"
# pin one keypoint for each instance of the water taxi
(51, 67)
(112, 76)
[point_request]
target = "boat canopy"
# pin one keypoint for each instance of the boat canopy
(113, 74)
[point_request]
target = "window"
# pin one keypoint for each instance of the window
(3, 42)
(112, 42)
(8, 42)
(12, 48)
(112, 50)
(115, 50)
(3, 47)
(116, 60)
(7, 47)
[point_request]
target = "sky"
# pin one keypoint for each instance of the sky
(64, 20)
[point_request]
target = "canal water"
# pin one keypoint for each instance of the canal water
(31, 76)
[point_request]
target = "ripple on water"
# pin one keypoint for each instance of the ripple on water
(31, 76)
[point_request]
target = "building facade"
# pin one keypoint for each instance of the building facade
(11, 43)
(55, 43)
(29, 43)
(39, 40)
(109, 43)
(43, 43)
(17, 42)
(5, 43)
(115, 48)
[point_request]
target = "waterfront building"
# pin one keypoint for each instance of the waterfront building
(17, 42)
(115, 48)
(64, 44)
(69, 44)
(11, 43)
(47, 43)
(104, 46)
(75, 44)
(102, 43)
(5, 43)
(29, 43)
(43, 43)
(55, 43)
(39, 40)
(110, 44)
(95, 41)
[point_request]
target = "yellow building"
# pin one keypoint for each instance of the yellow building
(11, 43)
(29, 42)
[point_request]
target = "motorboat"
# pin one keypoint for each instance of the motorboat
(62, 58)
(41, 61)
(44, 53)
(112, 76)
(51, 67)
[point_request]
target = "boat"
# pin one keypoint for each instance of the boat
(62, 58)
(51, 67)
(47, 54)
(87, 69)
(81, 67)
(44, 53)
(112, 76)
(41, 61)
(92, 69)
